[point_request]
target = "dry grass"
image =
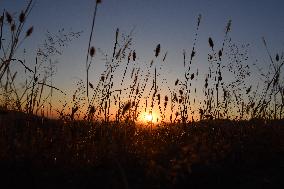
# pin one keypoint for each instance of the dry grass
(168, 156)
(239, 127)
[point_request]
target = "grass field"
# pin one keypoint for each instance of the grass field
(222, 153)
(133, 128)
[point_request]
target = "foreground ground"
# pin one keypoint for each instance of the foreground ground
(41, 153)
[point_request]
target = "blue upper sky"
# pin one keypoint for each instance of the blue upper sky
(171, 23)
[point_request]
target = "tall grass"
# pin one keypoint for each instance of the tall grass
(129, 88)
(98, 131)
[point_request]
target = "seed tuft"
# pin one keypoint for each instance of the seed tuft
(157, 51)
(277, 57)
(22, 17)
(126, 107)
(211, 44)
(9, 17)
(134, 55)
(228, 27)
(13, 27)
(199, 19)
(92, 51)
(91, 85)
(29, 31)
(176, 82)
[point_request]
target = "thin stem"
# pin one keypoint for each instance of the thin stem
(89, 44)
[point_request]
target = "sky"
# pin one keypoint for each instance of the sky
(171, 23)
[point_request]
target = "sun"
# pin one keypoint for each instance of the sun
(148, 117)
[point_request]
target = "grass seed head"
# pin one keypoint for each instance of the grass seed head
(29, 31)
(1, 19)
(192, 54)
(199, 19)
(220, 54)
(176, 82)
(277, 57)
(92, 51)
(134, 55)
(166, 98)
(158, 49)
(116, 33)
(91, 85)
(22, 17)
(13, 27)
(92, 110)
(74, 110)
(211, 44)
(9, 17)
(248, 90)
(228, 27)
(126, 107)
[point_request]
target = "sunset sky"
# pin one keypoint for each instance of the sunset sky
(171, 23)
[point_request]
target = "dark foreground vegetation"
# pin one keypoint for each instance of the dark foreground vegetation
(41, 153)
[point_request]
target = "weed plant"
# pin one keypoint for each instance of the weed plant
(222, 125)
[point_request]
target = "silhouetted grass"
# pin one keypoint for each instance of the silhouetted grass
(226, 132)
(217, 153)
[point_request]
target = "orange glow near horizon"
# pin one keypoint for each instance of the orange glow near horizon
(149, 117)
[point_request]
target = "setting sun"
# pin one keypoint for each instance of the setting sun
(149, 117)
